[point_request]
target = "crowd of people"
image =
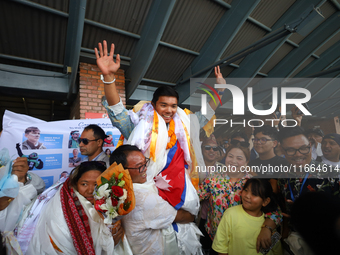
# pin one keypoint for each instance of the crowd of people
(193, 194)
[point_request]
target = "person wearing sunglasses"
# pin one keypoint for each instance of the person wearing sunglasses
(148, 227)
(302, 178)
(91, 144)
(210, 151)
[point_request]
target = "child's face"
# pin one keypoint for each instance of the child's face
(251, 202)
(33, 136)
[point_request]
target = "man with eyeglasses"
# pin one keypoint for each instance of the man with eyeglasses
(91, 144)
(303, 175)
(265, 140)
(148, 227)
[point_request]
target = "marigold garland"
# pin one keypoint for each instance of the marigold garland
(171, 134)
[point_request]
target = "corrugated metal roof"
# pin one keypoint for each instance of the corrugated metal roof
(327, 9)
(61, 5)
(248, 34)
(126, 15)
(191, 23)
(171, 69)
(306, 63)
(124, 45)
(328, 44)
(269, 11)
(277, 57)
(38, 35)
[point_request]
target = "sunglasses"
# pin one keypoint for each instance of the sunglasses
(208, 148)
(86, 141)
(237, 142)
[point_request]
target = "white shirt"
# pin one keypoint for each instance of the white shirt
(144, 224)
(316, 151)
(331, 163)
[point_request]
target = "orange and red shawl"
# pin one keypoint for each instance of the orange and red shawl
(77, 220)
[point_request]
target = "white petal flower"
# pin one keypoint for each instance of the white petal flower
(111, 212)
(124, 196)
(102, 192)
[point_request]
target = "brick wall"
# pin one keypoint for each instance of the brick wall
(91, 90)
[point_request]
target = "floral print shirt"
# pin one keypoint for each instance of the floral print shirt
(292, 185)
(222, 194)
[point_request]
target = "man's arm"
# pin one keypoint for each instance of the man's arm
(295, 116)
(184, 217)
(108, 67)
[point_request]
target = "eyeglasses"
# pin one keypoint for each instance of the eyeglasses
(208, 148)
(142, 168)
(262, 140)
(237, 142)
(292, 151)
(86, 141)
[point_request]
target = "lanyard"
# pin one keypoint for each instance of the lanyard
(303, 183)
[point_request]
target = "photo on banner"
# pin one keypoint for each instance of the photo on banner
(51, 148)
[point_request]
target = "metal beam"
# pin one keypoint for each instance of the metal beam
(32, 61)
(33, 79)
(103, 26)
(253, 63)
(218, 41)
(326, 57)
(75, 27)
(307, 47)
(146, 47)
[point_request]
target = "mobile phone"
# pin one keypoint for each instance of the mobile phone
(299, 112)
(275, 238)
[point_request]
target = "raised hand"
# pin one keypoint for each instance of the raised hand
(219, 76)
(105, 62)
(296, 116)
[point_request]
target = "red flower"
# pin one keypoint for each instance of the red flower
(218, 202)
(207, 181)
(117, 191)
(218, 186)
(98, 203)
(236, 198)
(114, 201)
(310, 188)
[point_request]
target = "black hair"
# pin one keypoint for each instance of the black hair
(2, 245)
(120, 154)
(30, 129)
(267, 130)
(240, 134)
(98, 132)
(164, 91)
(263, 189)
(290, 132)
(323, 210)
(84, 167)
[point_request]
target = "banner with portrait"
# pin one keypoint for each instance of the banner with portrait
(51, 148)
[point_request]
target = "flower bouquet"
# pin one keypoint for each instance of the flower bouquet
(114, 195)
